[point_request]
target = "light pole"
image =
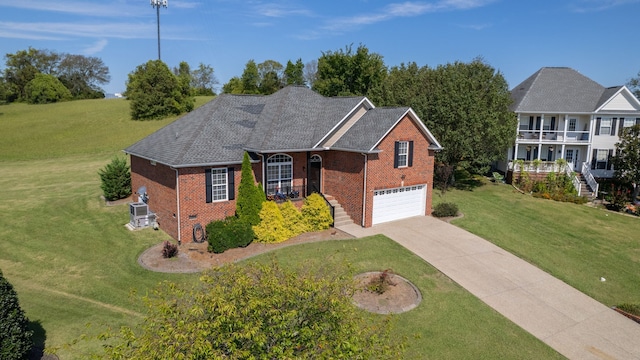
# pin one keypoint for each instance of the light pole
(158, 4)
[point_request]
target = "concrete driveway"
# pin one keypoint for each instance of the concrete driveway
(569, 321)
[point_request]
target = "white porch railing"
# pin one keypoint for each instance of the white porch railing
(591, 181)
(530, 166)
(574, 179)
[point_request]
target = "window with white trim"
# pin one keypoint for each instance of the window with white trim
(605, 126)
(219, 190)
(403, 153)
(602, 156)
(629, 122)
(572, 125)
(279, 173)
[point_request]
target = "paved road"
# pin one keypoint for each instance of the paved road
(569, 321)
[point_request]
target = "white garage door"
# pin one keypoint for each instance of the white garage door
(398, 203)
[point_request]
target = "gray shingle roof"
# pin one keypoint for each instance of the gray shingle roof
(294, 118)
(557, 89)
(373, 125)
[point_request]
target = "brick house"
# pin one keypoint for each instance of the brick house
(376, 163)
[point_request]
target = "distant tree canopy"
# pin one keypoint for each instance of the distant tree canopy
(265, 78)
(81, 75)
(634, 85)
(155, 92)
(203, 80)
(345, 73)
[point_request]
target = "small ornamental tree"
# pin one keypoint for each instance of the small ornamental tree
(316, 213)
(250, 195)
(272, 228)
(626, 162)
(15, 337)
(116, 179)
(44, 89)
(257, 311)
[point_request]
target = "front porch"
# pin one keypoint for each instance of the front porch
(583, 181)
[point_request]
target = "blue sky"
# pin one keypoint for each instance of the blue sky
(517, 37)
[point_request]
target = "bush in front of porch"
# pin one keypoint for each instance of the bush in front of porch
(555, 186)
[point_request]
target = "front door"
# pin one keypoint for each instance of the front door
(568, 155)
(315, 172)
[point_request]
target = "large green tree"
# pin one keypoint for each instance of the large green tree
(294, 73)
(83, 75)
(258, 311)
(155, 92)
(250, 78)
(15, 336)
(250, 195)
(22, 67)
(271, 77)
(203, 80)
(44, 89)
(345, 72)
(627, 159)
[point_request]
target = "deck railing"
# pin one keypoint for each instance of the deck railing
(591, 181)
(286, 193)
(574, 178)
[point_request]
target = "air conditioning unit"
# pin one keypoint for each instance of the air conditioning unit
(140, 216)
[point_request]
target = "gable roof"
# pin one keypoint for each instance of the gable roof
(292, 119)
(557, 89)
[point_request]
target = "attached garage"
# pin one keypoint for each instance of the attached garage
(399, 203)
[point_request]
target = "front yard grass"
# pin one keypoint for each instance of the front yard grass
(578, 244)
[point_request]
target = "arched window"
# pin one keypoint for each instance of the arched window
(279, 174)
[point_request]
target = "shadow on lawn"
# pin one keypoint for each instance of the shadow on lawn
(39, 339)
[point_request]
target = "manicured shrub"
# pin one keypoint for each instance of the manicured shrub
(169, 250)
(445, 209)
(15, 336)
(272, 228)
(316, 213)
(293, 218)
(229, 233)
(250, 195)
(116, 179)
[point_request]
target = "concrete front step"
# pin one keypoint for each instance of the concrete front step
(340, 217)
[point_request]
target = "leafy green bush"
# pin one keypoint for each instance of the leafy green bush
(229, 233)
(316, 213)
(256, 311)
(44, 89)
(116, 179)
(15, 337)
(250, 195)
(272, 228)
(293, 218)
(445, 209)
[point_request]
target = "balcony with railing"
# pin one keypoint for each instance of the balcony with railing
(552, 136)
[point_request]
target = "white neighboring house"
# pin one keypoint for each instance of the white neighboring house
(563, 114)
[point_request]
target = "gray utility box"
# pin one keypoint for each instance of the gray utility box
(140, 216)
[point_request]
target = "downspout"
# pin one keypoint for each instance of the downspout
(364, 193)
(178, 205)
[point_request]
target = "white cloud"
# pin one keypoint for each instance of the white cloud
(184, 4)
(100, 9)
(583, 6)
(279, 11)
(71, 30)
(96, 48)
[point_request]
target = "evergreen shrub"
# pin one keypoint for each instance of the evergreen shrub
(116, 179)
(15, 336)
(229, 233)
(445, 209)
(316, 213)
(272, 227)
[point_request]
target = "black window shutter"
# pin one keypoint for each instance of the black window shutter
(637, 121)
(593, 159)
(207, 181)
(553, 123)
(410, 156)
(621, 127)
(598, 126)
(530, 122)
(231, 185)
(538, 121)
(613, 127)
(395, 154)
(609, 159)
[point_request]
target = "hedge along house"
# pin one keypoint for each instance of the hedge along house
(377, 163)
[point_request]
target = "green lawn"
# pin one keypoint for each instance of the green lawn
(576, 243)
(72, 262)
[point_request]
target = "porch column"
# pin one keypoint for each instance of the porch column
(562, 153)
(564, 135)
(541, 128)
